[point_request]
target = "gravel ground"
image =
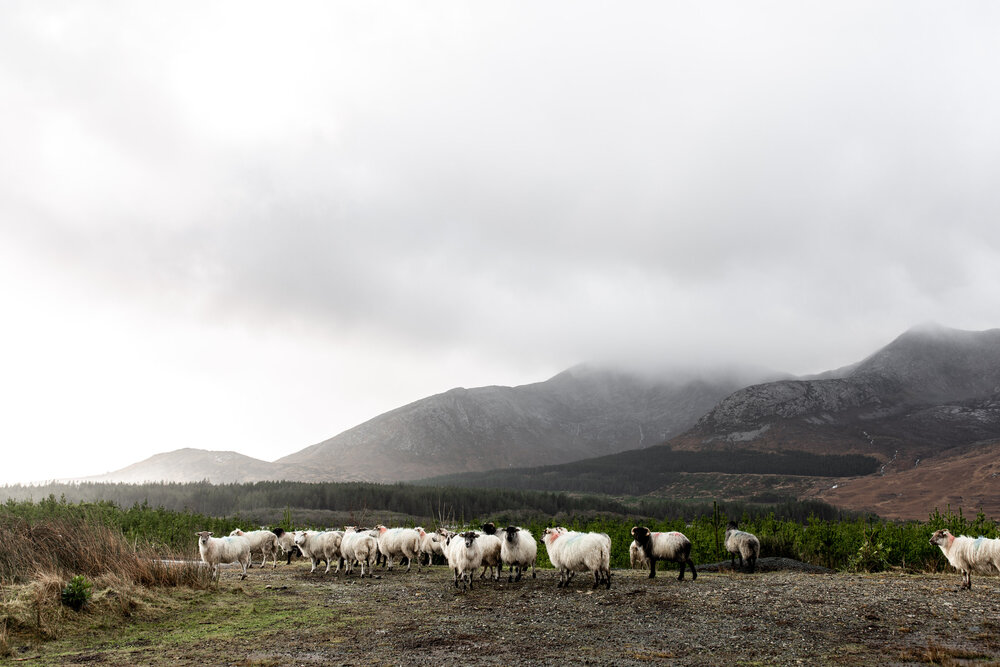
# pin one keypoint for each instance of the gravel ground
(770, 618)
(783, 615)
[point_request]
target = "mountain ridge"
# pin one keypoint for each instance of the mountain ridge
(931, 391)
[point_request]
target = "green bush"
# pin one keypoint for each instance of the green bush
(76, 593)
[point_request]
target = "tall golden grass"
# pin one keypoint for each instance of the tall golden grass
(66, 548)
(38, 559)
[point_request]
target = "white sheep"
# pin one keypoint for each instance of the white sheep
(968, 554)
(465, 555)
(572, 552)
(399, 543)
(216, 551)
(263, 541)
(358, 546)
(491, 547)
(431, 544)
(519, 551)
(321, 546)
(671, 546)
(742, 544)
(636, 557)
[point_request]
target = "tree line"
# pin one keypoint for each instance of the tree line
(641, 471)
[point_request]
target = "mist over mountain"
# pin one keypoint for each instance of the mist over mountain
(585, 411)
(931, 392)
(930, 396)
(930, 389)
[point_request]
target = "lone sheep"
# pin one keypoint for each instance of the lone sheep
(968, 554)
(742, 544)
(672, 546)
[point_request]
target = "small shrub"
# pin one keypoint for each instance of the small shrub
(76, 593)
(871, 556)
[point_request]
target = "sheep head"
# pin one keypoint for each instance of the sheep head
(942, 538)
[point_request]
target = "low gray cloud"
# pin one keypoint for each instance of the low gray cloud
(787, 184)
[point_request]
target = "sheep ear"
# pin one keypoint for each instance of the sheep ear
(633, 530)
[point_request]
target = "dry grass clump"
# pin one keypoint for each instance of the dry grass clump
(37, 561)
(67, 548)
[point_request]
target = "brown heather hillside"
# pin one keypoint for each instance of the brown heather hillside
(968, 478)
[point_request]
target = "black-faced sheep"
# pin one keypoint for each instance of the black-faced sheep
(572, 552)
(742, 544)
(286, 542)
(968, 554)
(465, 555)
(672, 546)
(216, 551)
(519, 551)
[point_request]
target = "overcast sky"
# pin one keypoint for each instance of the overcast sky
(249, 227)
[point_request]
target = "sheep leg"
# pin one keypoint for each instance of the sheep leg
(680, 577)
(694, 572)
(652, 568)
(752, 562)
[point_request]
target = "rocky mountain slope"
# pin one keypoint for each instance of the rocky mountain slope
(580, 413)
(929, 390)
(922, 414)
(583, 412)
(918, 420)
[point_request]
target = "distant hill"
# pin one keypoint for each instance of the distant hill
(191, 465)
(583, 412)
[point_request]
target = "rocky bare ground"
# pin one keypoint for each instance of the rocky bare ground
(775, 617)
(778, 617)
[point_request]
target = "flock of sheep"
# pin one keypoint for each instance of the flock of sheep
(468, 551)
